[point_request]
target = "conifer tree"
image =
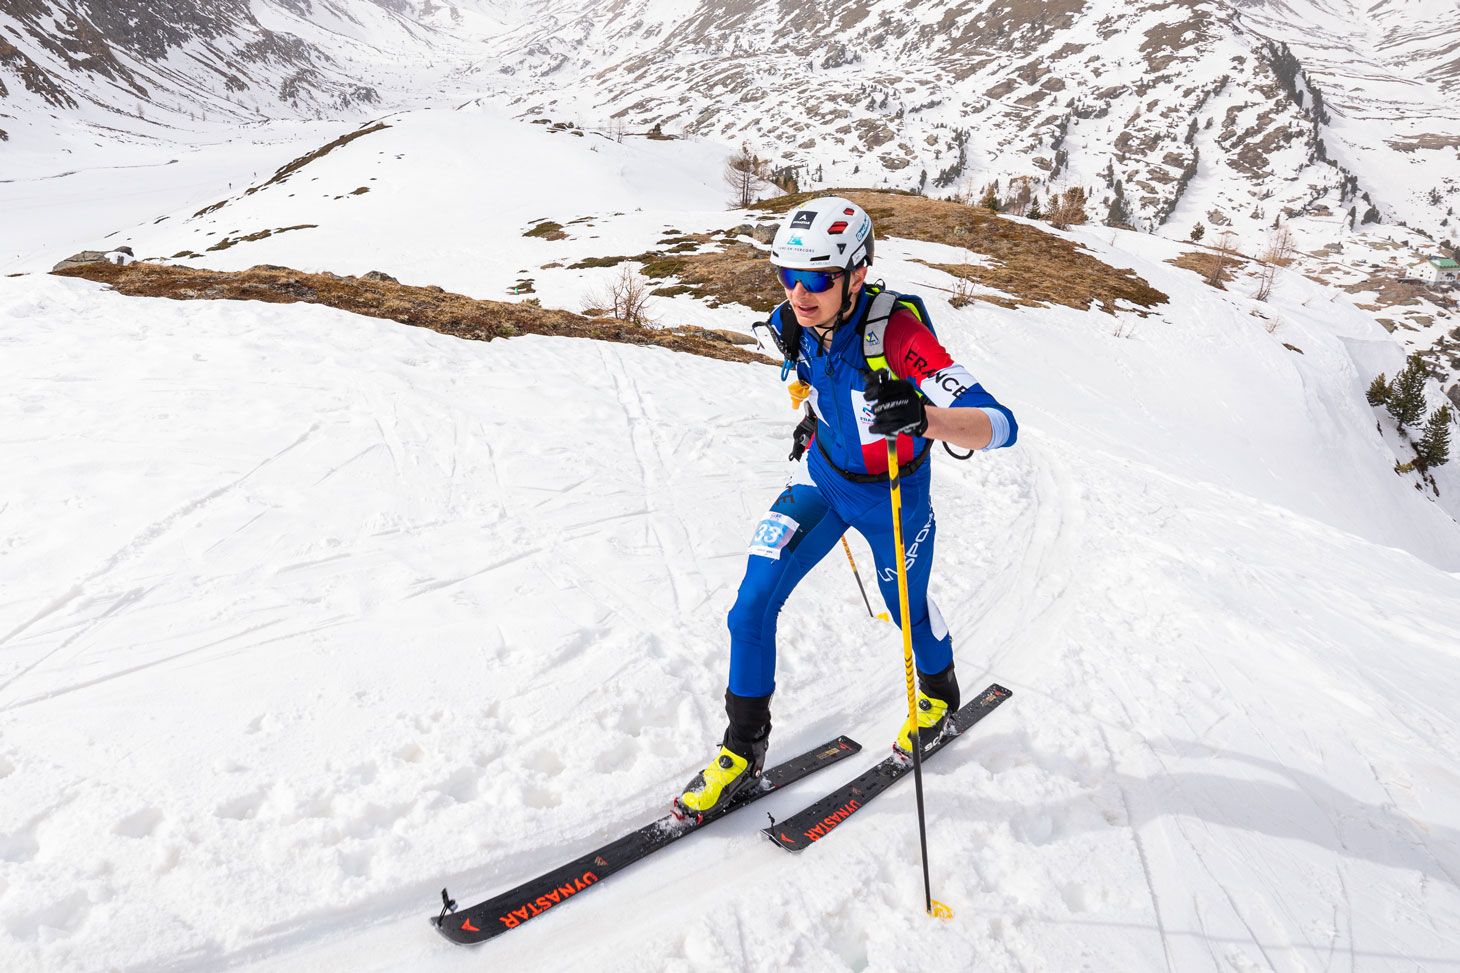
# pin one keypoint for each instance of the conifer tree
(1407, 393)
(990, 200)
(1434, 447)
(1035, 213)
(1067, 209)
(1378, 392)
(1118, 214)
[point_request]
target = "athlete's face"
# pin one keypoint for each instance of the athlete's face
(820, 310)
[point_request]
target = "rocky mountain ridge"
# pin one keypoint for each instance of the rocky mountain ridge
(1334, 119)
(1233, 114)
(158, 70)
(1172, 113)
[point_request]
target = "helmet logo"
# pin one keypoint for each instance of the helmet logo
(795, 241)
(804, 219)
(841, 248)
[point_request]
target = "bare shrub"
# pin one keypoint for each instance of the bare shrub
(625, 298)
(1265, 279)
(1068, 209)
(1221, 259)
(746, 174)
(1277, 253)
(1280, 246)
(965, 286)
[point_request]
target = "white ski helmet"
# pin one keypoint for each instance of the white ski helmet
(826, 232)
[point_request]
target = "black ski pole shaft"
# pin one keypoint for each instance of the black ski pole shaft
(907, 662)
(857, 574)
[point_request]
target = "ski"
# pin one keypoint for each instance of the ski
(818, 820)
(532, 898)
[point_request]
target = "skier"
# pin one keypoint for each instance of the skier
(874, 368)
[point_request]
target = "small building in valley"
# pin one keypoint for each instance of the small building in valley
(1433, 270)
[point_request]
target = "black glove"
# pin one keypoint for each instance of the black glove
(896, 406)
(801, 438)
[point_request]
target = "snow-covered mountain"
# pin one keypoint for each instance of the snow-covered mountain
(1337, 120)
(1334, 118)
(1231, 114)
(78, 71)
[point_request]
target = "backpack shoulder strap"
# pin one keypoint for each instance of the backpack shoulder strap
(873, 329)
(790, 337)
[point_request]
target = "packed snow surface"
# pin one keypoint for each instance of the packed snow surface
(305, 615)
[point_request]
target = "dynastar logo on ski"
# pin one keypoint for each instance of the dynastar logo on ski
(545, 902)
(823, 827)
(820, 818)
(541, 893)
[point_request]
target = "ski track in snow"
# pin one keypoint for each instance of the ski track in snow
(305, 616)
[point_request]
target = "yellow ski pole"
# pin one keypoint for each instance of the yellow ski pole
(937, 909)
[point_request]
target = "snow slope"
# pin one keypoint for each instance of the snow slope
(305, 615)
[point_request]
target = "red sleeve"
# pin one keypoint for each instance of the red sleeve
(912, 350)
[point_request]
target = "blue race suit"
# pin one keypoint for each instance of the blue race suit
(807, 520)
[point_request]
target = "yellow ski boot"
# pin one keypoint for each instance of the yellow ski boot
(932, 718)
(714, 787)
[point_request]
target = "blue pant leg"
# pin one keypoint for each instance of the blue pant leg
(932, 646)
(798, 532)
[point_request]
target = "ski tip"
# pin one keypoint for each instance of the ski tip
(994, 694)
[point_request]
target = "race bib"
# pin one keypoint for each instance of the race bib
(772, 535)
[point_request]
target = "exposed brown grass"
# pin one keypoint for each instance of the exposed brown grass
(738, 274)
(548, 230)
(1030, 267)
(591, 262)
(289, 168)
(425, 307)
(1391, 291)
(227, 242)
(1427, 141)
(1204, 262)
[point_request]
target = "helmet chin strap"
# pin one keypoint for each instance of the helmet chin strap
(841, 315)
(846, 294)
